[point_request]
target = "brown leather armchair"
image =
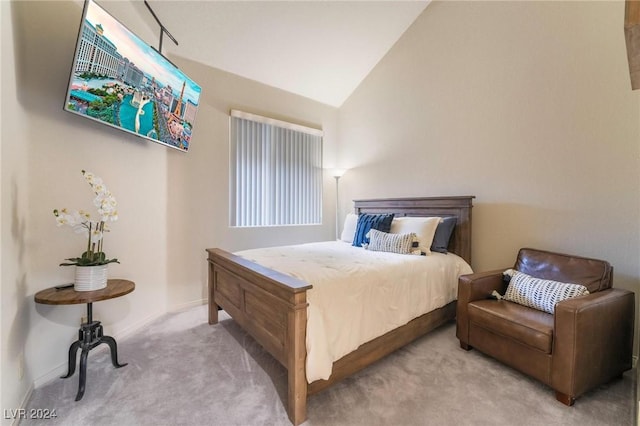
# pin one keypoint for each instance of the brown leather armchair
(585, 343)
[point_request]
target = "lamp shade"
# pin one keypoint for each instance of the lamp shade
(337, 172)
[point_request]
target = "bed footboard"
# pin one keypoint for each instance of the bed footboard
(272, 308)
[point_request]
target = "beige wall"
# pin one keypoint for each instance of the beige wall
(172, 205)
(527, 106)
(43, 151)
(13, 192)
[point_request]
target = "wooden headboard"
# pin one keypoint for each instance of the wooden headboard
(458, 206)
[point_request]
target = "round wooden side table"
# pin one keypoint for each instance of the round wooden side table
(90, 334)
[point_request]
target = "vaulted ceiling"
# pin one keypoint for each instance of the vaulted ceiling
(318, 49)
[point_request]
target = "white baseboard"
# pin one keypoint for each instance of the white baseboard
(132, 328)
(57, 372)
(188, 305)
(23, 405)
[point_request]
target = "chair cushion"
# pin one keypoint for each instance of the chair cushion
(526, 325)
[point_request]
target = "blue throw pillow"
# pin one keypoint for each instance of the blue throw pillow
(443, 234)
(366, 222)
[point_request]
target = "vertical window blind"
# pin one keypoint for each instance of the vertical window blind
(276, 172)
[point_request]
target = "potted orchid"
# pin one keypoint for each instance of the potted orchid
(91, 265)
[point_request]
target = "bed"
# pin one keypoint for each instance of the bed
(272, 306)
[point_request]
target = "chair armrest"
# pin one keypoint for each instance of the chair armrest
(480, 285)
(472, 287)
(593, 340)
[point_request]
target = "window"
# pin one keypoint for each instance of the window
(276, 172)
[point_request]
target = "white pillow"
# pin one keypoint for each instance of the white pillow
(349, 228)
(423, 227)
(538, 293)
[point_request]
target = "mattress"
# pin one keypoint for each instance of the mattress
(358, 294)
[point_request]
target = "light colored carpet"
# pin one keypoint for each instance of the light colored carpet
(183, 371)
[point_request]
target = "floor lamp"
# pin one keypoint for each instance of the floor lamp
(337, 174)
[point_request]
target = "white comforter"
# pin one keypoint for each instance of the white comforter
(358, 295)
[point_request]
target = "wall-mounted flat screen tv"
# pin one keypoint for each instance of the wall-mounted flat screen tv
(120, 80)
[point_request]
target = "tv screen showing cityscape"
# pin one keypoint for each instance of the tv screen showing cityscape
(120, 80)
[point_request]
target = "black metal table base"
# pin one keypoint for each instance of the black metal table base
(90, 336)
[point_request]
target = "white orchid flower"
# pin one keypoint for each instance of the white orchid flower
(82, 215)
(96, 235)
(90, 177)
(81, 228)
(103, 199)
(62, 220)
(78, 218)
(80, 221)
(99, 188)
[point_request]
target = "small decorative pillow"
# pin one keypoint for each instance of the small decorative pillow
(393, 243)
(366, 222)
(540, 294)
(349, 228)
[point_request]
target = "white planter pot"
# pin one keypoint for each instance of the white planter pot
(90, 278)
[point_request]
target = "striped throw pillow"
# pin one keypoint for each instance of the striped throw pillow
(540, 294)
(393, 243)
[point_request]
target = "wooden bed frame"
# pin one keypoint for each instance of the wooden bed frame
(272, 307)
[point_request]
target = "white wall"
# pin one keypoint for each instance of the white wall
(526, 105)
